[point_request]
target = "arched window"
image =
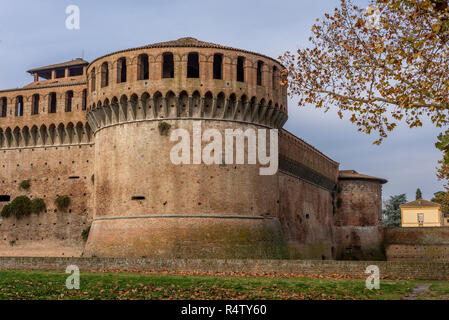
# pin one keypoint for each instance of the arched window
(104, 74)
(241, 69)
(274, 76)
(168, 65)
(68, 101)
(218, 66)
(35, 104)
(84, 105)
(121, 70)
(143, 69)
(4, 109)
(259, 73)
(193, 65)
(93, 80)
(19, 106)
(52, 103)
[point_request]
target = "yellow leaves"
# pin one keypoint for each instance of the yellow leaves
(436, 27)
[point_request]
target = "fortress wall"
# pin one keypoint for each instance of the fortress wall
(50, 233)
(186, 210)
(306, 182)
(358, 220)
(296, 150)
(306, 218)
(417, 244)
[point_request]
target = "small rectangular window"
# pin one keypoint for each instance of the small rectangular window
(5, 198)
(168, 66)
(60, 74)
(241, 69)
(420, 218)
(218, 66)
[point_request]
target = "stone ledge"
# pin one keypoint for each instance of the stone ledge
(356, 269)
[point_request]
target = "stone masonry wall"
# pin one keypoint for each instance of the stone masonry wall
(52, 171)
(417, 244)
(353, 269)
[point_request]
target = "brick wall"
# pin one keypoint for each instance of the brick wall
(356, 269)
(417, 244)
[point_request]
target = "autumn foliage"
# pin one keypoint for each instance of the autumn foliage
(377, 74)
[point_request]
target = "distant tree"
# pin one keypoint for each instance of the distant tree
(418, 194)
(442, 198)
(391, 215)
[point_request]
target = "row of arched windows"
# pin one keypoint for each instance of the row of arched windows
(168, 69)
(36, 101)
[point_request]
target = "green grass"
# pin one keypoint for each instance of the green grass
(437, 291)
(51, 285)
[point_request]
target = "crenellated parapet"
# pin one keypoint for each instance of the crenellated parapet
(184, 106)
(300, 158)
(45, 136)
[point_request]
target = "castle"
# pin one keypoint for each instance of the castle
(92, 132)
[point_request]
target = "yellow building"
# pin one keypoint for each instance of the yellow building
(421, 213)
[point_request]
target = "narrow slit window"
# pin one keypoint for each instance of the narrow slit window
(168, 66)
(193, 65)
(274, 78)
(121, 70)
(104, 75)
(19, 106)
(259, 73)
(84, 106)
(241, 69)
(35, 103)
(68, 101)
(143, 69)
(52, 103)
(218, 66)
(4, 104)
(93, 80)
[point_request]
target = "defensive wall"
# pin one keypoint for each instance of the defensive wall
(417, 244)
(94, 134)
(388, 270)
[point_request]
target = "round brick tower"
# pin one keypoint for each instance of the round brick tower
(358, 217)
(147, 206)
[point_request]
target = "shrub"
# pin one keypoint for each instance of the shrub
(85, 233)
(19, 207)
(164, 127)
(62, 202)
(6, 211)
(25, 185)
(38, 206)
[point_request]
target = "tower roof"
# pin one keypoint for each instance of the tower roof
(71, 63)
(354, 175)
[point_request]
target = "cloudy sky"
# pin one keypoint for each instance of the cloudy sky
(33, 34)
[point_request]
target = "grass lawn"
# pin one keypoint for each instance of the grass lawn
(437, 291)
(51, 285)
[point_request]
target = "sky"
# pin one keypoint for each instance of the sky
(33, 34)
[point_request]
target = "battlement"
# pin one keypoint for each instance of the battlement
(299, 151)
